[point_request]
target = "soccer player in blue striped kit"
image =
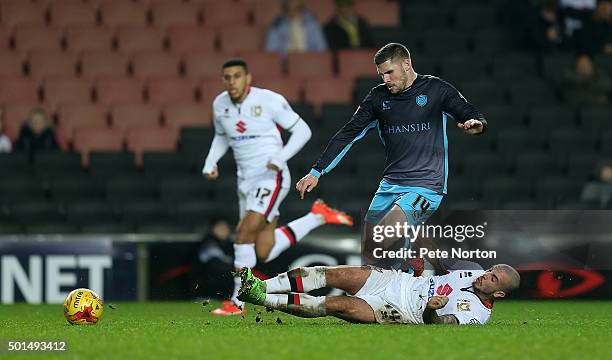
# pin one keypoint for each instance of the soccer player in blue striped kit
(410, 112)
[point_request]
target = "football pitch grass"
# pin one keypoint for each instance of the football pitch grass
(186, 330)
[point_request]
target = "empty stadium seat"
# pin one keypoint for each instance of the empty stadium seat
(123, 189)
(503, 116)
(166, 14)
(194, 140)
(505, 65)
(264, 12)
(87, 212)
(496, 191)
(334, 116)
(553, 190)
(442, 42)
(37, 37)
(566, 141)
(152, 63)
(19, 163)
(81, 38)
(21, 12)
(532, 165)
(532, 93)
(465, 15)
(74, 13)
(188, 115)
(263, 64)
(132, 39)
(489, 42)
(140, 140)
(144, 211)
(596, 118)
(54, 164)
(511, 141)
(11, 64)
(481, 166)
(15, 90)
(178, 189)
(606, 143)
(241, 38)
(128, 116)
(31, 212)
(481, 92)
(119, 12)
(328, 90)
(379, 13)
(547, 118)
(209, 89)
(18, 189)
(464, 68)
(582, 166)
(555, 65)
(310, 64)
(73, 188)
(44, 63)
(116, 91)
(99, 64)
(73, 116)
(89, 139)
(66, 90)
(171, 90)
(204, 64)
(185, 39)
(157, 165)
(322, 9)
(354, 63)
(107, 164)
(219, 14)
(290, 89)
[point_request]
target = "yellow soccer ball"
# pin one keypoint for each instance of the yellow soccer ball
(83, 307)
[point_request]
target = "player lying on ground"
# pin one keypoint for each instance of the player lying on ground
(247, 119)
(384, 296)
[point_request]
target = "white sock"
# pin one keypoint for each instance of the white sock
(244, 256)
(297, 304)
(288, 235)
(298, 280)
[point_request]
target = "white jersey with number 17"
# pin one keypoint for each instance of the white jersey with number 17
(251, 127)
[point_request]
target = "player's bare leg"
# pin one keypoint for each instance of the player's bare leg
(348, 278)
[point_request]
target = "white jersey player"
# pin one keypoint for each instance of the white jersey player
(249, 120)
(384, 296)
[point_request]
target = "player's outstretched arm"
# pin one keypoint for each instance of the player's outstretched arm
(431, 317)
(306, 184)
(218, 148)
(472, 126)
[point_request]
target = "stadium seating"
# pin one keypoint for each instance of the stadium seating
(72, 13)
(328, 90)
(81, 38)
(128, 116)
(166, 14)
(133, 38)
(187, 115)
(16, 90)
(263, 64)
(219, 14)
(202, 64)
(155, 64)
(290, 89)
(37, 37)
(309, 65)
(97, 64)
(45, 63)
(119, 12)
(11, 64)
(144, 139)
(66, 90)
(16, 13)
(170, 90)
(115, 91)
(187, 38)
(241, 38)
(352, 64)
(73, 116)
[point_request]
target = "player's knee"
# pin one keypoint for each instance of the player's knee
(246, 236)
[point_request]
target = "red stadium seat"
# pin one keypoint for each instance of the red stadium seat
(86, 38)
(90, 139)
(115, 91)
(185, 39)
(209, 89)
(379, 13)
(241, 38)
(5, 37)
(72, 13)
(22, 12)
(44, 63)
(263, 64)
(355, 63)
(265, 11)
(66, 90)
(98, 64)
(328, 90)
(11, 64)
(37, 37)
(171, 90)
(133, 39)
(151, 139)
(153, 63)
(322, 9)
(171, 13)
(186, 115)
(290, 89)
(121, 12)
(14, 115)
(129, 116)
(80, 116)
(221, 13)
(204, 64)
(14, 90)
(310, 64)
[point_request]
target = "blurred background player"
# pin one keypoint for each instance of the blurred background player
(247, 119)
(410, 112)
(385, 296)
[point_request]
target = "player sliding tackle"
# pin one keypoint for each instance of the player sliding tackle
(384, 296)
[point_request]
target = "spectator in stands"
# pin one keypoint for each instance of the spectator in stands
(545, 26)
(36, 134)
(213, 262)
(586, 84)
(575, 14)
(295, 30)
(346, 29)
(596, 37)
(5, 142)
(600, 190)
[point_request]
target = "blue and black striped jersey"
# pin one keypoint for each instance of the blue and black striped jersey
(412, 127)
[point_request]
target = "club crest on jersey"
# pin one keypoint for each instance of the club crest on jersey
(463, 305)
(386, 105)
(256, 110)
(241, 126)
(421, 100)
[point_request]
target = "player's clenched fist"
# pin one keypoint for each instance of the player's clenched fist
(306, 184)
(437, 302)
(212, 175)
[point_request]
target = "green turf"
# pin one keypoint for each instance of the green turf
(535, 330)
